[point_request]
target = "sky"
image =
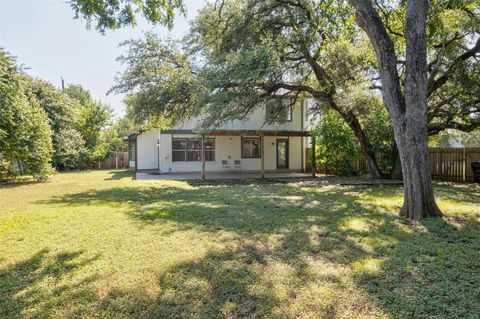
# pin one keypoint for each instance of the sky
(45, 37)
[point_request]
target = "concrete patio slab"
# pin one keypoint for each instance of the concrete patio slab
(217, 175)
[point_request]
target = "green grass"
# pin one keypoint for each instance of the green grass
(102, 245)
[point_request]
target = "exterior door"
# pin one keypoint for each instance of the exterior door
(282, 153)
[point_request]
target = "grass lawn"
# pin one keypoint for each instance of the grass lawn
(102, 245)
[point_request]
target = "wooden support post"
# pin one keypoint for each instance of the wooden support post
(116, 160)
(302, 140)
(302, 155)
(203, 156)
(262, 150)
(313, 159)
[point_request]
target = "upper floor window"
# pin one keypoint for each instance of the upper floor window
(251, 147)
(190, 149)
(279, 110)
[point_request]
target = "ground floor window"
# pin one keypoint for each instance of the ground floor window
(179, 146)
(190, 149)
(194, 149)
(251, 147)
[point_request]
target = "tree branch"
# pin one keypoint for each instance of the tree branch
(435, 84)
(370, 22)
(435, 128)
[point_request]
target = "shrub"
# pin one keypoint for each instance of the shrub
(337, 146)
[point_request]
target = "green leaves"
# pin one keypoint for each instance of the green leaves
(94, 117)
(25, 134)
(161, 79)
(337, 146)
(114, 14)
(41, 126)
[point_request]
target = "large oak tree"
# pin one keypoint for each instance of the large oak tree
(407, 105)
(298, 31)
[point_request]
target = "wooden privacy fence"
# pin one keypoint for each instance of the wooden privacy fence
(453, 164)
(447, 163)
(117, 161)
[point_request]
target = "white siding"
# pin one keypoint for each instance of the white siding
(229, 148)
(147, 151)
(255, 121)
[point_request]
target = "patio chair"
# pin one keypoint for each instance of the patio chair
(237, 165)
(225, 165)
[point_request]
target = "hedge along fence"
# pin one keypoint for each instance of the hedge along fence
(447, 163)
(117, 161)
(359, 165)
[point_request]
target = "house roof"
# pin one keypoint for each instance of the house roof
(239, 132)
(131, 137)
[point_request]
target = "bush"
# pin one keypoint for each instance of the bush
(336, 146)
(70, 150)
(378, 128)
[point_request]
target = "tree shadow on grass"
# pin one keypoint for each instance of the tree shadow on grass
(22, 290)
(380, 264)
(15, 184)
(219, 285)
(431, 273)
(121, 174)
(461, 192)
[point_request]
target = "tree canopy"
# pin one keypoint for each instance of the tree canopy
(107, 14)
(267, 45)
(42, 126)
(93, 118)
(25, 133)
(421, 57)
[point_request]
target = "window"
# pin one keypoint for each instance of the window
(178, 149)
(279, 110)
(251, 147)
(193, 150)
(190, 149)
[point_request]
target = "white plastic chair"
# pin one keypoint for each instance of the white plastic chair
(225, 165)
(237, 165)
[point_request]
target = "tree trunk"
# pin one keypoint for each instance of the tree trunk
(396, 171)
(20, 166)
(365, 146)
(409, 111)
(350, 118)
(419, 201)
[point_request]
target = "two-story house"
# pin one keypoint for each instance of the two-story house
(255, 144)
